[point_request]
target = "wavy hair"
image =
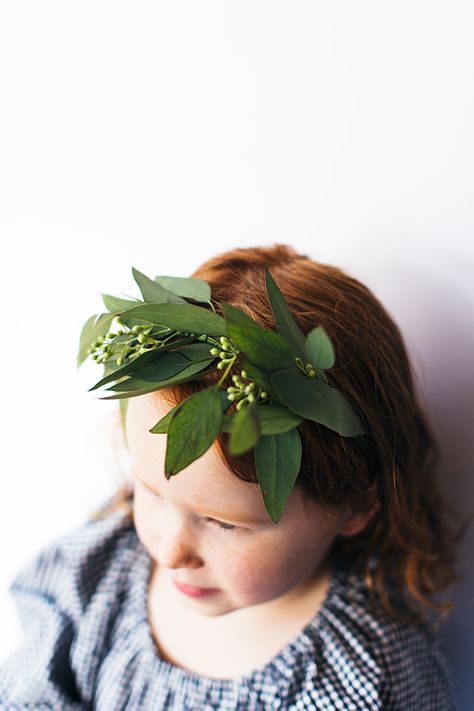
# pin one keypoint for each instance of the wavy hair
(407, 549)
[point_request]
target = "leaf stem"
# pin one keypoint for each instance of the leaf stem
(226, 371)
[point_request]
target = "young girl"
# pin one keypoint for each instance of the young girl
(220, 587)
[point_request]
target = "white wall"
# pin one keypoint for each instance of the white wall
(157, 134)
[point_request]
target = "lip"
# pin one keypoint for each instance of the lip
(193, 591)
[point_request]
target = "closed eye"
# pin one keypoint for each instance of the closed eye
(222, 525)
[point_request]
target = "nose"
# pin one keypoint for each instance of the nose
(175, 550)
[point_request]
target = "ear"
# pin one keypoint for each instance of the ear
(356, 521)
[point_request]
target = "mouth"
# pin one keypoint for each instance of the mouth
(193, 591)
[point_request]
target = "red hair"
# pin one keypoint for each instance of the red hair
(407, 550)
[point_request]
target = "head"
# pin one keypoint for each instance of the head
(208, 528)
(370, 502)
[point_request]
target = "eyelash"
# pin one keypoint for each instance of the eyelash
(227, 527)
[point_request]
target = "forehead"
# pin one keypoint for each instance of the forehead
(205, 483)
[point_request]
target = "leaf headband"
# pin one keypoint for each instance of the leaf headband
(167, 338)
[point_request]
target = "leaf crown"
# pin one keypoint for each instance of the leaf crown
(174, 335)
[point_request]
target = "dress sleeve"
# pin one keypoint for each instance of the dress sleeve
(38, 675)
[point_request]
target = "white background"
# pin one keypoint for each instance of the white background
(158, 134)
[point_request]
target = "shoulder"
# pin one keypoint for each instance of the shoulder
(383, 662)
(68, 598)
(69, 571)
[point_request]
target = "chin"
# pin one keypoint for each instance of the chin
(211, 610)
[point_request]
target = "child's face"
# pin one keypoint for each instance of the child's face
(252, 563)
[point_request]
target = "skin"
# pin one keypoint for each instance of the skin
(259, 568)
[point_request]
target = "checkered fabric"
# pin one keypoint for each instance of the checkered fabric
(88, 644)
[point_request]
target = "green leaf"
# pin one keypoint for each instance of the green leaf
(181, 317)
(225, 402)
(277, 461)
(133, 365)
(123, 415)
(232, 313)
(256, 375)
(161, 427)
(245, 430)
(116, 304)
(197, 351)
(164, 367)
(163, 424)
(286, 324)
(266, 349)
(152, 292)
(94, 327)
(194, 371)
(187, 287)
(319, 348)
(275, 419)
(314, 400)
(193, 429)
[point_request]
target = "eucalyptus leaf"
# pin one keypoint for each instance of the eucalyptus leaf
(314, 400)
(152, 292)
(319, 348)
(193, 429)
(275, 419)
(245, 430)
(225, 402)
(182, 317)
(116, 304)
(257, 375)
(162, 425)
(194, 371)
(232, 313)
(94, 327)
(266, 349)
(286, 324)
(164, 367)
(197, 351)
(187, 287)
(277, 461)
(130, 367)
(123, 416)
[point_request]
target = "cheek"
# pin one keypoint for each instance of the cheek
(272, 567)
(143, 513)
(261, 570)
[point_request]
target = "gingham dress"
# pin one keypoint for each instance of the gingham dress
(88, 644)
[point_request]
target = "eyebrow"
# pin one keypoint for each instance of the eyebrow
(210, 514)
